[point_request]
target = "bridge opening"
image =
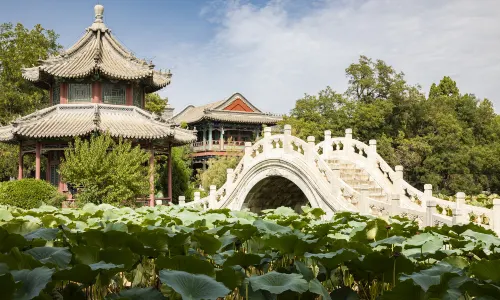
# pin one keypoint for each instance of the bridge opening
(273, 192)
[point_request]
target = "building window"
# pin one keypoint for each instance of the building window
(56, 94)
(113, 93)
(54, 175)
(137, 96)
(79, 92)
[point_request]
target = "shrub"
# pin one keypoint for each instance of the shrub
(28, 193)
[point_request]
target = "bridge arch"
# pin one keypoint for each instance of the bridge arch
(280, 167)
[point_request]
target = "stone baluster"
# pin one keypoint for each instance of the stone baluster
(196, 196)
(395, 204)
(427, 194)
(182, 200)
(456, 218)
(287, 139)
(267, 140)
(429, 213)
(248, 155)
(364, 202)
(327, 144)
(229, 178)
(398, 181)
(348, 150)
(310, 148)
(460, 207)
(212, 201)
(372, 152)
(496, 216)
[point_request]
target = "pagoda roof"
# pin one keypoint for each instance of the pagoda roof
(97, 51)
(235, 109)
(71, 120)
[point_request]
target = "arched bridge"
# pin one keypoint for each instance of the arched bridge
(337, 174)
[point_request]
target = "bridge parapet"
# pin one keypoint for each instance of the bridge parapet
(312, 158)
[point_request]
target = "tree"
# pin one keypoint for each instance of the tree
(155, 104)
(448, 139)
(109, 172)
(181, 174)
(20, 47)
(216, 173)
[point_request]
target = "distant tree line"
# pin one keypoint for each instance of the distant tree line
(448, 139)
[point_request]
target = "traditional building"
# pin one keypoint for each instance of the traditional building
(224, 126)
(97, 85)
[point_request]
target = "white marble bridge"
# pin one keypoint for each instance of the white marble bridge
(337, 174)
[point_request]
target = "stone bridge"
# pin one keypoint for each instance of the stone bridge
(337, 174)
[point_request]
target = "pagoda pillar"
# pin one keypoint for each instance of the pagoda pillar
(38, 159)
(129, 96)
(169, 166)
(20, 166)
(221, 138)
(210, 137)
(96, 92)
(151, 176)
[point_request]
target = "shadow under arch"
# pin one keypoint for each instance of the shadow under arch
(273, 192)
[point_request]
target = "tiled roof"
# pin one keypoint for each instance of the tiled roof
(215, 111)
(98, 51)
(69, 120)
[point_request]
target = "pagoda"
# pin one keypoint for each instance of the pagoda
(97, 85)
(223, 127)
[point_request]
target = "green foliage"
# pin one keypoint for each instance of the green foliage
(20, 47)
(172, 252)
(154, 103)
(28, 193)
(449, 139)
(181, 173)
(108, 171)
(216, 173)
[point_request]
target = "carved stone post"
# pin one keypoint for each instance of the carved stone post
(247, 158)
(372, 153)
(267, 140)
(229, 178)
(327, 144)
(348, 142)
(310, 148)
(429, 213)
(460, 200)
(457, 217)
(287, 146)
(496, 215)
(196, 196)
(398, 181)
(364, 204)
(182, 200)
(212, 202)
(395, 204)
(427, 194)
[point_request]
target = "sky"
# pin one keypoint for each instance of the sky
(275, 51)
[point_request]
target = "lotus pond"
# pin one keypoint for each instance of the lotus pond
(102, 252)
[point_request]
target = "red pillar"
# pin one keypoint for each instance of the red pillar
(96, 92)
(38, 162)
(20, 166)
(152, 176)
(169, 166)
(129, 100)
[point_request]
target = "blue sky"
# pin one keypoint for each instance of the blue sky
(274, 51)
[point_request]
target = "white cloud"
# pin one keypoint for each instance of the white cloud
(274, 57)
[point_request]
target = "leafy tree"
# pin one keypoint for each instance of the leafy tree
(155, 104)
(109, 172)
(20, 47)
(448, 139)
(216, 173)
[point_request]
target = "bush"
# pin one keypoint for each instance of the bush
(28, 193)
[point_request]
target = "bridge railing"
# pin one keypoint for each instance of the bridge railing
(405, 199)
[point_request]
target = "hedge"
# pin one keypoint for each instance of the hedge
(28, 193)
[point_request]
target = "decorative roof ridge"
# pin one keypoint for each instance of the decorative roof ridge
(225, 103)
(34, 115)
(222, 111)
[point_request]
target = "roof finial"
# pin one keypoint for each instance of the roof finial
(99, 12)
